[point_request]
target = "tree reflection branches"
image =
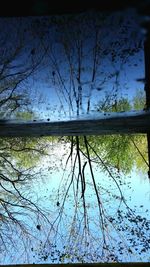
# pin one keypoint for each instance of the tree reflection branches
(20, 58)
(17, 65)
(101, 225)
(89, 55)
(19, 209)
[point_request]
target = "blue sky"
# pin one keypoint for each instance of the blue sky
(44, 190)
(41, 37)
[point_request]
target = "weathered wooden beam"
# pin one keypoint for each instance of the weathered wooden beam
(147, 83)
(122, 264)
(97, 124)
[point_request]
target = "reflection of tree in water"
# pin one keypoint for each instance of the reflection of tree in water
(101, 225)
(18, 65)
(91, 56)
(19, 213)
(17, 155)
(92, 220)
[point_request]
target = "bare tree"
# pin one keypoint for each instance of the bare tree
(20, 58)
(89, 54)
(77, 70)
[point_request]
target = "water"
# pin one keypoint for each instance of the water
(44, 62)
(111, 226)
(85, 206)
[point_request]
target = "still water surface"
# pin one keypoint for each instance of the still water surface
(115, 226)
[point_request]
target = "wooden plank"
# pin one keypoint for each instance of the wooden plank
(147, 67)
(147, 83)
(108, 123)
(132, 264)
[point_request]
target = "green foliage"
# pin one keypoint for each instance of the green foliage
(26, 156)
(119, 105)
(122, 151)
(25, 151)
(111, 104)
(119, 151)
(139, 100)
(25, 115)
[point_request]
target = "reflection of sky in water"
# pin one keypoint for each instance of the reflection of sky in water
(44, 190)
(51, 88)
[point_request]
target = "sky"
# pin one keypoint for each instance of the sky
(56, 47)
(44, 190)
